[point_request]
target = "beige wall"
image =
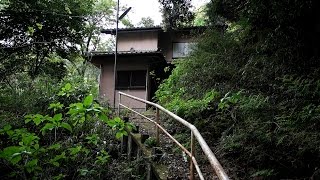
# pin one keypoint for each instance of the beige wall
(107, 84)
(132, 103)
(138, 41)
(153, 40)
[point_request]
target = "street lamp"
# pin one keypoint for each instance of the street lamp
(116, 51)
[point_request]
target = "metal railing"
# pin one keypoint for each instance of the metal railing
(195, 134)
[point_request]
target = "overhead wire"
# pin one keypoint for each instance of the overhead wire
(47, 12)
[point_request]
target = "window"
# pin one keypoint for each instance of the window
(182, 49)
(131, 79)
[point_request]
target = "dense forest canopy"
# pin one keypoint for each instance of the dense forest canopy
(252, 86)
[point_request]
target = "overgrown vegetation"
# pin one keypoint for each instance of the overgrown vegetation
(52, 125)
(252, 87)
(71, 140)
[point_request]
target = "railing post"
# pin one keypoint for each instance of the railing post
(119, 101)
(192, 145)
(157, 128)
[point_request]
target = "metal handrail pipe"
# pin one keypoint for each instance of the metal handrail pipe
(206, 149)
(173, 139)
(160, 127)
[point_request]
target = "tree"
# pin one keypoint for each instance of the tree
(146, 22)
(32, 30)
(101, 16)
(201, 17)
(176, 13)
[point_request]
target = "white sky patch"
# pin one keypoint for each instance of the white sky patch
(151, 8)
(145, 8)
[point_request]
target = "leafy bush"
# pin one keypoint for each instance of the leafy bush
(263, 119)
(68, 142)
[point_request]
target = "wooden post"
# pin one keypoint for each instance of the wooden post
(119, 101)
(157, 128)
(192, 155)
(124, 144)
(149, 171)
(129, 151)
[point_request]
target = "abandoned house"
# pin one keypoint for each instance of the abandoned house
(140, 52)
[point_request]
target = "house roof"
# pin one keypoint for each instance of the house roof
(98, 57)
(134, 29)
(126, 53)
(110, 55)
(148, 29)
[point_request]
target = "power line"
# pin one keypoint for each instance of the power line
(45, 12)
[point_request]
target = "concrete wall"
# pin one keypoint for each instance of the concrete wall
(107, 76)
(138, 41)
(153, 40)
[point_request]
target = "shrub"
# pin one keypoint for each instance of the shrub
(68, 142)
(259, 113)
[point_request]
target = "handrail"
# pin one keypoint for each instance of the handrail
(194, 131)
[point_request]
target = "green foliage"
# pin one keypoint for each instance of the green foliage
(176, 13)
(146, 22)
(150, 142)
(33, 30)
(264, 120)
(201, 16)
(61, 141)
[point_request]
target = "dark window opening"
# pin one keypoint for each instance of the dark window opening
(131, 79)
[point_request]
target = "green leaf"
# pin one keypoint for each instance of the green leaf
(30, 30)
(57, 158)
(55, 146)
(88, 101)
(103, 117)
(66, 126)
(31, 165)
(55, 163)
(37, 119)
(67, 9)
(112, 123)
(119, 135)
(12, 154)
(67, 86)
(75, 150)
(57, 117)
(28, 118)
(58, 177)
(6, 128)
(83, 172)
(29, 139)
(48, 126)
(14, 160)
(56, 106)
(39, 26)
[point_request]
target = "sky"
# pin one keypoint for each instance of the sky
(145, 8)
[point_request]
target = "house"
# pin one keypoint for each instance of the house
(140, 52)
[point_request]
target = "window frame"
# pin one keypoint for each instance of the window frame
(187, 45)
(130, 83)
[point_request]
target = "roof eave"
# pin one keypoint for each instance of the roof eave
(124, 30)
